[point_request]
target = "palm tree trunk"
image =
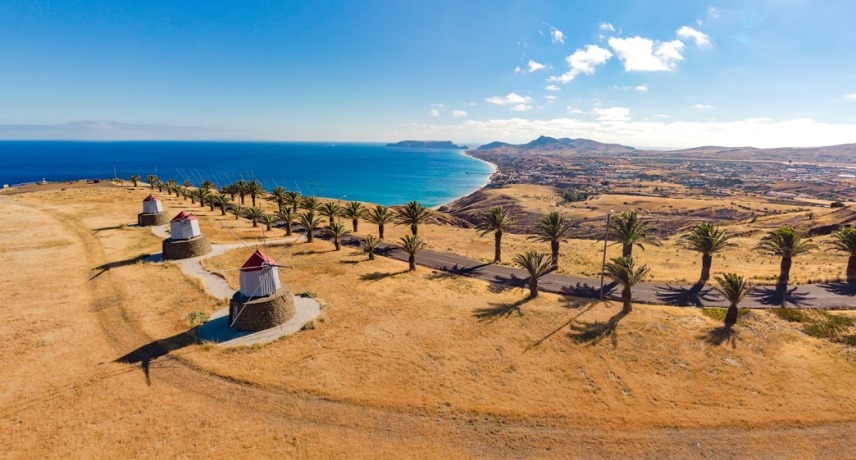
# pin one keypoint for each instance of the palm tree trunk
(414, 229)
(255, 223)
(294, 207)
(288, 229)
(380, 231)
(497, 247)
(627, 250)
(356, 223)
(731, 315)
(784, 273)
(627, 299)
(554, 248)
(223, 210)
(533, 287)
(242, 199)
(412, 262)
(337, 244)
(851, 269)
(706, 260)
(308, 235)
(253, 196)
(371, 255)
(268, 227)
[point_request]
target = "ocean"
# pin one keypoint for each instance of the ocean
(351, 171)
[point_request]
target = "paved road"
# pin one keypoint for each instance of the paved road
(826, 296)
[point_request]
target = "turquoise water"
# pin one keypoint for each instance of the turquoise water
(364, 172)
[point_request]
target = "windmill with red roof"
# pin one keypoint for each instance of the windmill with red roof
(153, 213)
(262, 301)
(185, 238)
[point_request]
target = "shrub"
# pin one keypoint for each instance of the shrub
(307, 294)
(310, 326)
(787, 314)
(195, 318)
(718, 314)
(836, 204)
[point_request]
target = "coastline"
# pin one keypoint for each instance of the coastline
(494, 169)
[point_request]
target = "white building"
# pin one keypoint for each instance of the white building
(259, 276)
(184, 226)
(152, 205)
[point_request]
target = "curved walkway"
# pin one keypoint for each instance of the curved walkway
(216, 328)
(824, 296)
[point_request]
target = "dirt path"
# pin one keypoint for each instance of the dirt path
(177, 397)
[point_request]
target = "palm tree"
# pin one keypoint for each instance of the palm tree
(355, 211)
(412, 214)
(554, 228)
(152, 180)
(380, 216)
(537, 265)
(411, 244)
(497, 220)
(222, 200)
(623, 271)
(310, 203)
(370, 243)
(231, 190)
(706, 239)
(268, 220)
(628, 230)
(734, 288)
(844, 241)
(135, 178)
(241, 188)
(278, 195)
(288, 216)
(254, 189)
(203, 194)
(187, 184)
(784, 242)
(207, 185)
(188, 193)
(292, 199)
(238, 211)
(310, 222)
(170, 187)
(336, 231)
(330, 210)
(255, 214)
(160, 185)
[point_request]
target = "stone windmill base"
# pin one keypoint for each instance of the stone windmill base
(251, 314)
(185, 249)
(148, 220)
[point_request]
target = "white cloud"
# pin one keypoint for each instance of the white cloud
(521, 108)
(512, 99)
(535, 66)
(459, 113)
(583, 61)
(517, 69)
(646, 55)
(607, 27)
(702, 106)
(550, 97)
(571, 109)
(713, 12)
(801, 132)
(642, 88)
(434, 113)
(701, 38)
(557, 36)
(613, 114)
(851, 96)
(552, 88)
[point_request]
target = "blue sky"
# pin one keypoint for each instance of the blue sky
(644, 73)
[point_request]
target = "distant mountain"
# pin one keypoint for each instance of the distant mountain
(427, 145)
(563, 145)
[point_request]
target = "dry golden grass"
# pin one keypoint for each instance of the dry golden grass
(402, 364)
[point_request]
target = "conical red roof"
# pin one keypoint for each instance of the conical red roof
(257, 261)
(183, 215)
(151, 198)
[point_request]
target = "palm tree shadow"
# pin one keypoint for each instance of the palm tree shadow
(593, 333)
(780, 295)
(586, 291)
(583, 306)
(500, 310)
(723, 334)
(149, 352)
(694, 296)
(840, 288)
(377, 276)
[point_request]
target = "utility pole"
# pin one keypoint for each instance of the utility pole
(605, 241)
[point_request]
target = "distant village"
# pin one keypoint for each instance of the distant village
(601, 173)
